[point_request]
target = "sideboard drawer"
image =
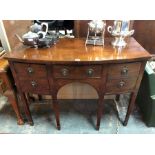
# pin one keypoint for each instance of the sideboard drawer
(40, 86)
(124, 70)
(120, 85)
(30, 70)
(77, 72)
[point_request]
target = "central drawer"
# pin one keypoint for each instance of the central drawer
(77, 72)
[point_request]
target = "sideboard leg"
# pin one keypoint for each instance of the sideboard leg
(26, 108)
(99, 111)
(130, 107)
(56, 111)
(40, 97)
(117, 97)
(12, 98)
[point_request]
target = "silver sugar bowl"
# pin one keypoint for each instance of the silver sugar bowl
(95, 34)
(120, 30)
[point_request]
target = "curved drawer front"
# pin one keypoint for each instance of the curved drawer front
(40, 86)
(120, 85)
(77, 72)
(124, 70)
(30, 70)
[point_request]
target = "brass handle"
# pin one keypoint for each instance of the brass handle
(124, 71)
(30, 70)
(34, 84)
(64, 71)
(90, 72)
(121, 84)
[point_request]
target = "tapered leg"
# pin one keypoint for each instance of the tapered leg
(12, 98)
(99, 111)
(56, 110)
(130, 107)
(26, 108)
(40, 97)
(117, 97)
(30, 97)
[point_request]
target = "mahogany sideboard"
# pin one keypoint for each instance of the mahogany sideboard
(108, 69)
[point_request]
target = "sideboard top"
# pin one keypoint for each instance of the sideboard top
(75, 51)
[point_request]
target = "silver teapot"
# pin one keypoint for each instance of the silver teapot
(120, 30)
(29, 39)
(37, 36)
(40, 29)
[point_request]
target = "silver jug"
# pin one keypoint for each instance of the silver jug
(120, 30)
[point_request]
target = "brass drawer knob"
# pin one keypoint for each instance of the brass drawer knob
(121, 84)
(90, 72)
(33, 84)
(124, 71)
(30, 70)
(64, 71)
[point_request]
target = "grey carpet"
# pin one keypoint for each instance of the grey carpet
(76, 116)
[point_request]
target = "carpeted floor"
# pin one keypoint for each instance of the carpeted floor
(76, 116)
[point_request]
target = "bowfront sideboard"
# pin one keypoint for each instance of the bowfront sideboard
(108, 69)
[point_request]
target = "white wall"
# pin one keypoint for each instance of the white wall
(3, 37)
